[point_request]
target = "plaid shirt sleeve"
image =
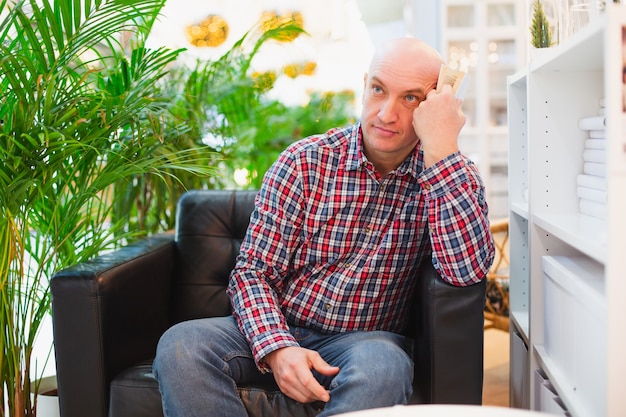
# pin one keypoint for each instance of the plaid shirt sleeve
(263, 262)
(461, 241)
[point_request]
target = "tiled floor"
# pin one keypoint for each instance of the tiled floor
(496, 377)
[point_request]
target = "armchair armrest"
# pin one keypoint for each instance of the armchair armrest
(108, 313)
(449, 339)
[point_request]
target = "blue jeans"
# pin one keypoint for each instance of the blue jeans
(199, 364)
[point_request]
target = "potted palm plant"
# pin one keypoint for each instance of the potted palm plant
(97, 130)
(80, 110)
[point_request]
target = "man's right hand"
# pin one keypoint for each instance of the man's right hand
(292, 367)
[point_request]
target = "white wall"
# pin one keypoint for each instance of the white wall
(424, 21)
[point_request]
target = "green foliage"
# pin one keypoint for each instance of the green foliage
(80, 113)
(99, 136)
(541, 34)
(226, 105)
(279, 125)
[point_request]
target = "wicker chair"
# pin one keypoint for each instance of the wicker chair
(497, 300)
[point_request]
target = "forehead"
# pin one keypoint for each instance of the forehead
(406, 64)
(402, 77)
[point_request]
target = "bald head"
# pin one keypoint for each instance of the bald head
(409, 54)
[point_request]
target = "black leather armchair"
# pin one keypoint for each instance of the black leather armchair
(109, 313)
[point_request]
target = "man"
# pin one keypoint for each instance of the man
(325, 273)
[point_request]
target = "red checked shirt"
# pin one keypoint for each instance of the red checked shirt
(334, 247)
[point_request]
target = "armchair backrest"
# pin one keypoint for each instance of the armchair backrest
(210, 226)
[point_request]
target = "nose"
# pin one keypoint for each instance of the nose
(387, 112)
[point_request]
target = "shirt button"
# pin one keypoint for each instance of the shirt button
(327, 306)
(427, 186)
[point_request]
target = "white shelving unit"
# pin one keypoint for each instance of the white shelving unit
(568, 286)
(486, 38)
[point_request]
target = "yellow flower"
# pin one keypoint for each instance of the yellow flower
(271, 20)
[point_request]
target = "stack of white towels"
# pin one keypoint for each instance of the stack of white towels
(591, 184)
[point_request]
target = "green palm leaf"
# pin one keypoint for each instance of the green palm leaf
(81, 114)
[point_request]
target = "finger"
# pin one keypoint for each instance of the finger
(323, 367)
(312, 388)
(297, 386)
(432, 92)
(304, 388)
(446, 89)
(298, 393)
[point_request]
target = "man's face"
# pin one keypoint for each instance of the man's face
(394, 87)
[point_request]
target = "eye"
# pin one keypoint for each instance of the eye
(376, 89)
(413, 99)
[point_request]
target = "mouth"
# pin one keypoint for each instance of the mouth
(383, 131)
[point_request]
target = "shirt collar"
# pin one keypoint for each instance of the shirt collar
(412, 165)
(356, 157)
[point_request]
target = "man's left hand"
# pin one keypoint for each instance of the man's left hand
(437, 121)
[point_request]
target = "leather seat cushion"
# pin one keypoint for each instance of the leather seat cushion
(135, 393)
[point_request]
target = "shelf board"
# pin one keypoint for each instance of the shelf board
(519, 78)
(584, 233)
(521, 320)
(520, 208)
(566, 390)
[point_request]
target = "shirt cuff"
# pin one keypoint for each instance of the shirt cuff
(268, 342)
(449, 173)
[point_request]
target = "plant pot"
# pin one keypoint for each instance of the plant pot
(539, 55)
(48, 399)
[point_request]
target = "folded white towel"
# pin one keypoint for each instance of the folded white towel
(593, 208)
(594, 168)
(591, 194)
(591, 181)
(595, 143)
(597, 134)
(594, 155)
(592, 123)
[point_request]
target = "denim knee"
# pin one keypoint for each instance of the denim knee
(382, 364)
(375, 371)
(172, 348)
